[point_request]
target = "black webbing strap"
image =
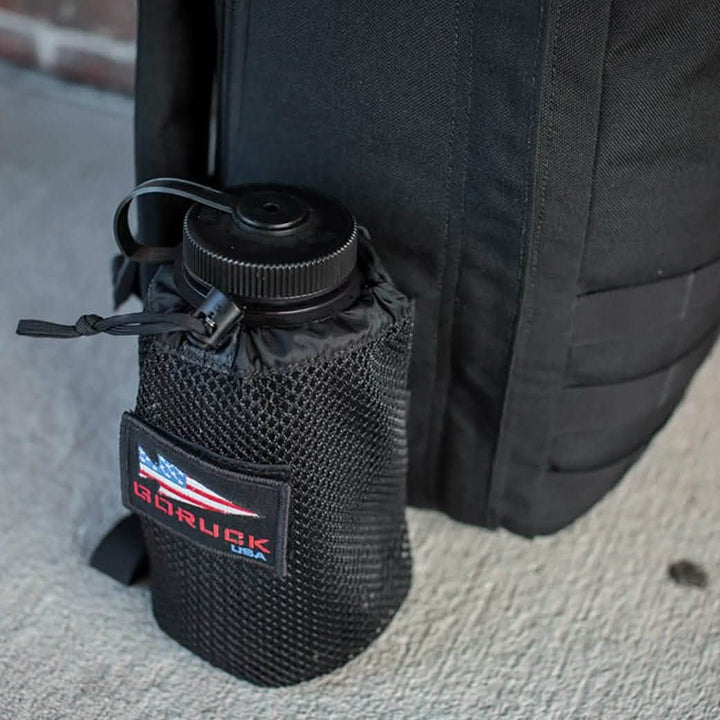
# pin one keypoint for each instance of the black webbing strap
(175, 67)
(121, 554)
(125, 280)
(603, 316)
(603, 406)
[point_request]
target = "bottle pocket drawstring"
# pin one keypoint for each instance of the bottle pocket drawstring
(140, 323)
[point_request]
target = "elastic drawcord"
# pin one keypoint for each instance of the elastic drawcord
(142, 323)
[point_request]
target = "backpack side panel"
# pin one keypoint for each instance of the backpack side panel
(622, 292)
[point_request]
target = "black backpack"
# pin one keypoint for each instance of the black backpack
(542, 177)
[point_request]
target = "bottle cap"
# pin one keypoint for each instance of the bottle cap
(279, 243)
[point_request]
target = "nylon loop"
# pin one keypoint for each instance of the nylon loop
(121, 554)
(614, 405)
(612, 314)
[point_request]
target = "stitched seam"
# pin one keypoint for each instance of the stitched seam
(532, 129)
(670, 373)
(507, 425)
(591, 205)
(429, 462)
(442, 399)
(544, 465)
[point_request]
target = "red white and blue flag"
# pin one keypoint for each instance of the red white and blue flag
(176, 484)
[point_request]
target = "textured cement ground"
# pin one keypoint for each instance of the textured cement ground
(585, 624)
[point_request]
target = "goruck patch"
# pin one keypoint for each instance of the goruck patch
(236, 509)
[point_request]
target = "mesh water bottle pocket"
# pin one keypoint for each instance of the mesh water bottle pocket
(334, 423)
(267, 453)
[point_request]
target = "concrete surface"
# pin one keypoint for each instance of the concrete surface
(585, 624)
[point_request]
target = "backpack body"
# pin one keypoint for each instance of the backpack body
(542, 177)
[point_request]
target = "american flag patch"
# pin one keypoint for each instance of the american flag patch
(176, 484)
(232, 507)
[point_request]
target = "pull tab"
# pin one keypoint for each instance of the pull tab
(219, 313)
(124, 238)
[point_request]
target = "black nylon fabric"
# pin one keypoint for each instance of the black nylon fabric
(419, 116)
(614, 361)
(629, 311)
(262, 347)
(521, 498)
(642, 327)
(656, 208)
(620, 306)
(176, 43)
(632, 331)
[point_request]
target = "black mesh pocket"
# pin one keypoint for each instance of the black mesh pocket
(337, 421)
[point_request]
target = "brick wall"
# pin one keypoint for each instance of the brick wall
(88, 41)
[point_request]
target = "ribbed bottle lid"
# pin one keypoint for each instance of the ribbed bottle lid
(280, 243)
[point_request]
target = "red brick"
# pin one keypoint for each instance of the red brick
(87, 67)
(35, 8)
(17, 48)
(112, 18)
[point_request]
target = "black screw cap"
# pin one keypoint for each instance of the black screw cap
(280, 243)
